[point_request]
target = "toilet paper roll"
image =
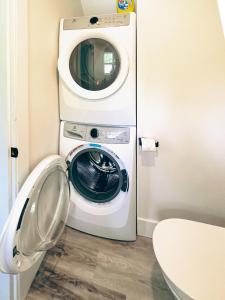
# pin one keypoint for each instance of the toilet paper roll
(148, 144)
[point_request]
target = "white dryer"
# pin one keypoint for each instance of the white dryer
(97, 69)
(102, 163)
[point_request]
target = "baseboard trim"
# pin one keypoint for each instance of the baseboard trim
(145, 227)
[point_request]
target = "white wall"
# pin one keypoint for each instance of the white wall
(181, 102)
(44, 17)
(98, 7)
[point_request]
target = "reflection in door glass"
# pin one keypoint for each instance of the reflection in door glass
(108, 62)
(94, 64)
(45, 213)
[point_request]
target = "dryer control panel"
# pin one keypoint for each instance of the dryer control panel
(94, 22)
(97, 134)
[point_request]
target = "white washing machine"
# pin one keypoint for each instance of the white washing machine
(97, 69)
(91, 187)
(102, 175)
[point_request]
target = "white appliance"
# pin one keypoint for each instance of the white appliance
(102, 174)
(191, 256)
(57, 191)
(97, 69)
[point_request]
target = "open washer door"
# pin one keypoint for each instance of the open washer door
(37, 218)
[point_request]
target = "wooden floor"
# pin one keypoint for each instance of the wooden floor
(83, 267)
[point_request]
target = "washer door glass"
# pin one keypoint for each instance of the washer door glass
(46, 212)
(94, 64)
(96, 175)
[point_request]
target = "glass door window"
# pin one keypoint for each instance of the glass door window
(96, 175)
(45, 213)
(94, 64)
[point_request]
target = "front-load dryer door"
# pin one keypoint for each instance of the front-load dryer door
(37, 218)
(94, 68)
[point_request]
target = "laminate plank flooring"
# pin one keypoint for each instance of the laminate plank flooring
(84, 267)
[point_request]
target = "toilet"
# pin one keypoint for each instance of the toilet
(192, 258)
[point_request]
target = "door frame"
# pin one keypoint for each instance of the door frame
(14, 116)
(5, 185)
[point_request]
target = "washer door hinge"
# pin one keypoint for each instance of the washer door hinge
(14, 152)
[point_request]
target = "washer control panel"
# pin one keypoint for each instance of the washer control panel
(94, 22)
(97, 134)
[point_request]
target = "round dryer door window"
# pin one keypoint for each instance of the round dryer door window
(94, 64)
(97, 175)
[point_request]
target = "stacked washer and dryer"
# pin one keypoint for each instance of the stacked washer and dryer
(97, 92)
(91, 185)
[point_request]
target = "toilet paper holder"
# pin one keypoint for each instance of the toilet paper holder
(140, 142)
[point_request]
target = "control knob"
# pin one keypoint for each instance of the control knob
(94, 133)
(94, 20)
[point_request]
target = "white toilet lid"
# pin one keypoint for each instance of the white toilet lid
(192, 256)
